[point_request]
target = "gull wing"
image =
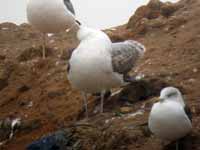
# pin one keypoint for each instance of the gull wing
(125, 55)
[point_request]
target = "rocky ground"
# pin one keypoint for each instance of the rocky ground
(37, 91)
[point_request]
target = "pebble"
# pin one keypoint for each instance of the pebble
(4, 28)
(126, 110)
(192, 80)
(30, 104)
(169, 78)
(50, 34)
(195, 70)
(52, 41)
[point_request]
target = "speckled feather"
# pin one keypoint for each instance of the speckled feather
(125, 55)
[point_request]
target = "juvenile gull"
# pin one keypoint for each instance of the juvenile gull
(97, 64)
(170, 119)
(50, 16)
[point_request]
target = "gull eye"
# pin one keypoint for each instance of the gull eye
(79, 23)
(172, 94)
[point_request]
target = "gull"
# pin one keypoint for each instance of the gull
(50, 16)
(97, 64)
(170, 118)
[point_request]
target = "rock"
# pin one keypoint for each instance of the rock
(168, 9)
(8, 25)
(3, 83)
(195, 70)
(142, 89)
(5, 129)
(157, 23)
(66, 54)
(8, 127)
(54, 94)
(176, 21)
(5, 71)
(126, 110)
(28, 126)
(139, 21)
(33, 52)
(135, 92)
(23, 88)
(139, 14)
(2, 57)
(154, 6)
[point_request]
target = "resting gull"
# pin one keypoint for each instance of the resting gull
(170, 119)
(50, 16)
(97, 64)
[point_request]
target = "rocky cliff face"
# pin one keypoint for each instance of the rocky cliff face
(38, 92)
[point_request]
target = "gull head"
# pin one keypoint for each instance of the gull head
(85, 33)
(171, 93)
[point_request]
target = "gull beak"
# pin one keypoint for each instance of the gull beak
(161, 99)
(78, 22)
(157, 99)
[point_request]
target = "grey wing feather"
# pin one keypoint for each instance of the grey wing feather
(125, 55)
(69, 6)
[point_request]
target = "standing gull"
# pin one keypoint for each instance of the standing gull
(170, 119)
(97, 64)
(50, 16)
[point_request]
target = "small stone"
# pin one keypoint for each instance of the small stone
(183, 26)
(168, 9)
(166, 29)
(30, 104)
(50, 34)
(195, 70)
(139, 77)
(191, 80)
(5, 129)
(169, 78)
(23, 88)
(54, 94)
(126, 110)
(4, 28)
(30, 125)
(57, 63)
(52, 41)
(2, 57)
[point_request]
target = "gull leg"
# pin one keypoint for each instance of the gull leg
(177, 145)
(129, 79)
(85, 104)
(132, 79)
(102, 100)
(115, 93)
(43, 46)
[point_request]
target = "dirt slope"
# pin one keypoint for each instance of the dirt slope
(39, 93)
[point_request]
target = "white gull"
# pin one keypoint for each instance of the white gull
(50, 16)
(97, 64)
(170, 119)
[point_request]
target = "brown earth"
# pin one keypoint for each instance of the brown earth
(38, 91)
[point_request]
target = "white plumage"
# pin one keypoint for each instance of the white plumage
(92, 65)
(49, 16)
(168, 119)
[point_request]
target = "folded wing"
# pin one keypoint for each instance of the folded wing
(125, 55)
